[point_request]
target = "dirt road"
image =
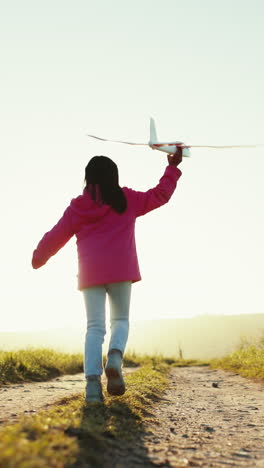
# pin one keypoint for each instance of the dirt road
(24, 399)
(207, 418)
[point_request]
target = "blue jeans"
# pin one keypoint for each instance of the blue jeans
(95, 298)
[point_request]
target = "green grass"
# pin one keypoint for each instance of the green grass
(247, 359)
(134, 359)
(37, 365)
(75, 434)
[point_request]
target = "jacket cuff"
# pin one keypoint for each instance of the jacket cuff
(36, 262)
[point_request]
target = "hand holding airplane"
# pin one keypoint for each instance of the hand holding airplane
(176, 158)
(170, 147)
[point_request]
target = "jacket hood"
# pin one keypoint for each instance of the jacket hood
(87, 208)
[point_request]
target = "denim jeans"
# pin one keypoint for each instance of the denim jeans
(95, 298)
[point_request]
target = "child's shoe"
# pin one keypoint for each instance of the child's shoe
(113, 370)
(93, 391)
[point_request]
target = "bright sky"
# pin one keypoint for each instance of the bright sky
(71, 68)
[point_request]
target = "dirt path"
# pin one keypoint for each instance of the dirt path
(28, 398)
(207, 418)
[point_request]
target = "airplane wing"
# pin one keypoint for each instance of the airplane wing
(175, 144)
(182, 145)
(118, 141)
(223, 147)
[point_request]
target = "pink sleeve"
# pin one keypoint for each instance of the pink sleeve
(159, 195)
(53, 240)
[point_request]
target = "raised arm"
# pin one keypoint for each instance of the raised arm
(53, 240)
(159, 195)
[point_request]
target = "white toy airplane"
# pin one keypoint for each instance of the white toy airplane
(169, 147)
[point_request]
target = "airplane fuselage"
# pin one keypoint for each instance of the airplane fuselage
(170, 148)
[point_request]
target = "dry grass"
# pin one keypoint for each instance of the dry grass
(76, 434)
(247, 359)
(37, 365)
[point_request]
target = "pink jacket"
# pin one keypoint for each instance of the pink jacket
(105, 239)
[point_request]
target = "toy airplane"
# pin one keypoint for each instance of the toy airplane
(169, 147)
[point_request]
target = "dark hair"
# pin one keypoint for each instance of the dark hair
(102, 172)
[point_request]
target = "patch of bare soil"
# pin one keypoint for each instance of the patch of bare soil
(206, 418)
(28, 398)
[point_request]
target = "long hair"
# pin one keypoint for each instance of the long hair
(102, 172)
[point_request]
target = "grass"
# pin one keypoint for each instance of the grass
(75, 434)
(247, 359)
(37, 365)
(132, 359)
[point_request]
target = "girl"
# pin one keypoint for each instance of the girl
(103, 220)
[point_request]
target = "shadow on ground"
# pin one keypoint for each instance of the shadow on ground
(111, 436)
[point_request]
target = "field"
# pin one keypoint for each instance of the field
(37, 365)
(75, 434)
(32, 365)
(247, 360)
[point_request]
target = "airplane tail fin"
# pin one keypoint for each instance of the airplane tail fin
(152, 132)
